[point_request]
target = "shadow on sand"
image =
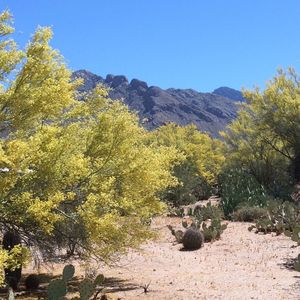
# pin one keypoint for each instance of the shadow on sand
(111, 285)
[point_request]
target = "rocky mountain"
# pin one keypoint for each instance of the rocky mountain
(210, 112)
(229, 93)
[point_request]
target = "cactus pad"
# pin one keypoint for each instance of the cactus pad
(68, 272)
(57, 289)
(99, 280)
(86, 289)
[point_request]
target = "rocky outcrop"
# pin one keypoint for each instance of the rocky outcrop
(210, 112)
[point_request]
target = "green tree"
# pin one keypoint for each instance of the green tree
(265, 137)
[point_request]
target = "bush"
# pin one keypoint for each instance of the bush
(238, 186)
(281, 217)
(249, 214)
(191, 188)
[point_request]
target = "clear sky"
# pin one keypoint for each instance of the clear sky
(199, 44)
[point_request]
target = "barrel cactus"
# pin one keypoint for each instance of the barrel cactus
(32, 282)
(192, 239)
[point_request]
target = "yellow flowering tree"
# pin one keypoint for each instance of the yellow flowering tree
(265, 138)
(198, 168)
(74, 174)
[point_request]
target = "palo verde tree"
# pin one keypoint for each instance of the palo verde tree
(265, 138)
(198, 170)
(76, 174)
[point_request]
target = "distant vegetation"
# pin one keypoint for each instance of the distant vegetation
(85, 177)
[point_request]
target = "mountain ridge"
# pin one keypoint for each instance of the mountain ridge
(210, 112)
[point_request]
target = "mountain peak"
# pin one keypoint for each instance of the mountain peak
(229, 93)
(210, 112)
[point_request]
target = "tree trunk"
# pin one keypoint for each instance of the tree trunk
(297, 167)
(12, 277)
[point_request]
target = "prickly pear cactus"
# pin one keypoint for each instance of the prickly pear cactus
(68, 272)
(57, 289)
(99, 280)
(177, 233)
(86, 289)
(178, 236)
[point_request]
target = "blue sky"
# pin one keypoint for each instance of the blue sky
(199, 44)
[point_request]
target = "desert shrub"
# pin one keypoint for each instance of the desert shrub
(249, 214)
(75, 174)
(175, 211)
(191, 188)
(295, 236)
(281, 217)
(238, 186)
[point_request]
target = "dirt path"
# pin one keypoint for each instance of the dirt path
(242, 265)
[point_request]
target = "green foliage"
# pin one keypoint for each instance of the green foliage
(74, 174)
(209, 211)
(238, 186)
(212, 230)
(13, 259)
(86, 289)
(282, 217)
(191, 188)
(197, 167)
(297, 264)
(207, 220)
(57, 288)
(175, 211)
(249, 213)
(295, 236)
(192, 239)
(68, 272)
(264, 139)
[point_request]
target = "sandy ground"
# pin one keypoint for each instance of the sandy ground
(242, 265)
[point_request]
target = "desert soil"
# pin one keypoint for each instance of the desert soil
(241, 265)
